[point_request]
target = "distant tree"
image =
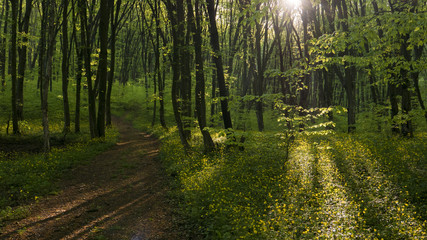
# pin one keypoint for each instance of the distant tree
(3, 43)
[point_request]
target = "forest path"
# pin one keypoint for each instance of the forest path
(121, 194)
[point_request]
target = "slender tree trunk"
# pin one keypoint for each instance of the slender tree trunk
(114, 22)
(65, 66)
(3, 45)
(160, 80)
(259, 80)
(406, 126)
(304, 92)
(22, 52)
(185, 84)
(103, 63)
(200, 79)
(13, 66)
(86, 45)
(177, 30)
(79, 72)
(223, 90)
(213, 96)
(350, 73)
(394, 107)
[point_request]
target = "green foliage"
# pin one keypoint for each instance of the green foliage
(325, 186)
(228, 192)
(331, 186)
(28, 176)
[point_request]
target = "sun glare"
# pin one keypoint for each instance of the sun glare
(292, 4)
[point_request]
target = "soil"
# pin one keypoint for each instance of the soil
(121, 194)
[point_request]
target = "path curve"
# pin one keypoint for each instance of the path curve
(121, 194)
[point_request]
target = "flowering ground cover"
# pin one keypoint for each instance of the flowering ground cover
(333, 186)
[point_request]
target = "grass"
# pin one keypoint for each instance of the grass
(27, 176)
(368, 185)
(333, 186)
(330, 187)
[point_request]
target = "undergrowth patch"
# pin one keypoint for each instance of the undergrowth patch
(25, 177)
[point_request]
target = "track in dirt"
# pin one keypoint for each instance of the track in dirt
(121, 194)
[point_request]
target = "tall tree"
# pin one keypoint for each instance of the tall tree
(114, 21)
(65, 66)
(13, 44)
(3, 44)
(217, 59)
(177, 30)
(185, 84)
(102, 73)
(79, 70)
(47, 47)
(87, 50)
(200, 78)
(22, 52)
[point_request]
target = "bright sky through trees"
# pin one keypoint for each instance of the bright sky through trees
(291, 3)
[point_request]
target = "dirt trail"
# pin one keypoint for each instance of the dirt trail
(119, 195)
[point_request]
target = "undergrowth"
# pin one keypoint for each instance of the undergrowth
(25, 177)
(25, 173)
(330, 185)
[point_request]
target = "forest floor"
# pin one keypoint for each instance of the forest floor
(121, 194)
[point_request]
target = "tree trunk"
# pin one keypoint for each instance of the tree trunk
(200, 79)
(223, 90)
(22, 52)
(102, 66)
(418, 52)
(349, 83)
(13, 66)
(394, 107)
(176, 69)
(79, 72)
(65, 66)
(259, 80)
(86, 46)
(185, 84)
(406, 126)
(114, 21)
(160, 79)
(3, 46)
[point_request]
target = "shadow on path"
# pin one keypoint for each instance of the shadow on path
(121, 194)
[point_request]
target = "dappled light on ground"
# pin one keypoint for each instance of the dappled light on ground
(330, 187)
(121, 194)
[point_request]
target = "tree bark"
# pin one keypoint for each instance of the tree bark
(13, 65)
(200, 79)
(223, 90)
(65, 66)
(259, 80)
(102, 66)
(86, 45)
(114, 22)
(79, 72)
(22, 52)
(185, 84)
(176, 69)
(3, 46)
